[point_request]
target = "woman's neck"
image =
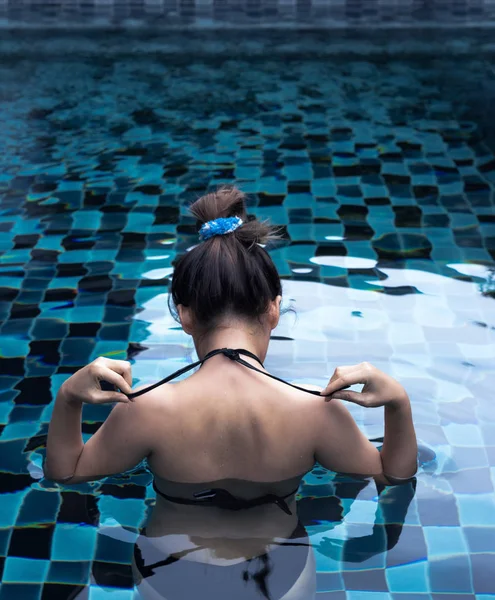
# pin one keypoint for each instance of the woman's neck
(251, 338)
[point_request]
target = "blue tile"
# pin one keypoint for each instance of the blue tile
(464, 435)
(339, 595)
(410, 547)
(480, 539)
(69, 573)
(127, 512)
(408, 596)
(24, 570)
(5, 410)
(11, 504)
(5, 534)
(39, 506)
(15, 591)
(109, 549)
(19, 431)
(371, 580)
(330, 582)
(102, 593)
(477, 510)
(482, 565)
(408, 578)
(445, 541)
(73, 542)
(451, 574)
(363, 595)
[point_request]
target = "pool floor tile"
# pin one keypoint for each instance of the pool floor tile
(114, 575)
(364, 595)
(109, 549)
(410, 546)
(104, 593)
(451, 574)
(439, 511)
(411, 596)
(5, 534)
(74, 573)
(16, 591)
(330, 582)
(480, 539)
(445, 541)
(477, 509)
(24, 570)
(455, 596)
(57, 591)
(31, 542)
(367, 580)
(73, 542)
(482, 566)
(39, 507)
(408, 578)
(339, 595)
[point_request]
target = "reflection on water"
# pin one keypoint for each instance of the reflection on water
(234, 566)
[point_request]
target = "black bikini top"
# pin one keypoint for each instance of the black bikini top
(234, 355)
(220, 497)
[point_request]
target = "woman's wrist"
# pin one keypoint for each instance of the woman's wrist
(400, 402)
(67, 398)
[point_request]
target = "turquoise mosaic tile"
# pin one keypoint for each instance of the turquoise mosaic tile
(71, 542)
(412, 577)
(26, 570)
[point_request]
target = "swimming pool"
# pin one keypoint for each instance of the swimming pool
(380, 170)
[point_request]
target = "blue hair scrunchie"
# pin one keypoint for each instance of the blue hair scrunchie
(220, 226)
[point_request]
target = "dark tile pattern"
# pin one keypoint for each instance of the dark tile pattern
(250, 12)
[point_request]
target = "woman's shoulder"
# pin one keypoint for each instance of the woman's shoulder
(161, 398)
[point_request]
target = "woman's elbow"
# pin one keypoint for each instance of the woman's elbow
(56, 478)
(56, 475)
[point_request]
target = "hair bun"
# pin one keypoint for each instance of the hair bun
(231, 202)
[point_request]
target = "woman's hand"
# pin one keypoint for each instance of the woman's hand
(379, 388)
(85, 385)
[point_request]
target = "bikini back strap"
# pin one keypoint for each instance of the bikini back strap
(174, 375)
(234, 355)
(220, 498)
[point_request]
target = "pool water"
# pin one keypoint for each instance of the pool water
(381, 172)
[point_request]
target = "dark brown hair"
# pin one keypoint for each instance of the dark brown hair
(227, 274)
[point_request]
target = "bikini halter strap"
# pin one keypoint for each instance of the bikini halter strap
(234, 355)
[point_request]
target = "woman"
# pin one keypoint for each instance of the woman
(228, 446)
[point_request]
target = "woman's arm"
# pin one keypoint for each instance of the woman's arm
(399, 452)
(121, 442)
(343, 447)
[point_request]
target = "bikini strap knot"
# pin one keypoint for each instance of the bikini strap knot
(232, 354)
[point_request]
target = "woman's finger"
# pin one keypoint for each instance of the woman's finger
(345, 380)
(339, 371)
(106, 397)
(117, 380)
(122, 367)
(354, 397)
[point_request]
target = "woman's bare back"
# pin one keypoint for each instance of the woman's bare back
(227, 422)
